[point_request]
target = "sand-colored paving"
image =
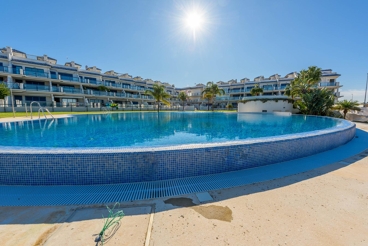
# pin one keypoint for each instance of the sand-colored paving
(325, 206)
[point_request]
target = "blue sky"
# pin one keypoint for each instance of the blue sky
(239, 38)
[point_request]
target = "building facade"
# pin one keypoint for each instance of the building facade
(272, 86)
(41, 79)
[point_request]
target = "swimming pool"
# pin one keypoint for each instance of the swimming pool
(135, 147)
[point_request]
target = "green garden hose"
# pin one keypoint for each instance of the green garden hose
(112, 219)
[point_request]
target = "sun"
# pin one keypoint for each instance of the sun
(194, 20)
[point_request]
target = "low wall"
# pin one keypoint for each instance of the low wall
(265, 104)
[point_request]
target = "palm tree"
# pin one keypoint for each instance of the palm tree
(103, 88)
(316, 102)
(256, 90)
(304, 82)
(159, 94)
(347, 106)
(313, 74)
(183, 97)
(4, 91)
(210, 93)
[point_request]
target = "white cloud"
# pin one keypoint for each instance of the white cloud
(357, 95)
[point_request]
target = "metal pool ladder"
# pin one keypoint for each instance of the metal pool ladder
(40, 109)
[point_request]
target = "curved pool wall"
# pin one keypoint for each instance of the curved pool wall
(87, 166)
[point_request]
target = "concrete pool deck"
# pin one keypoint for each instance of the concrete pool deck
(323, 206)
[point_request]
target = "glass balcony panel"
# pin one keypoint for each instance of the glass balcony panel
(55, 89)
(4, 69)
(324, 84)
(36, 87)
(36, 74)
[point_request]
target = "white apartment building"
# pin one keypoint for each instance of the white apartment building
(273, 85)
(42, 79)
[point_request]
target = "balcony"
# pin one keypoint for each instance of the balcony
(100, 93)
(66, 90)
(36, 87)
(147, 97)
(236, 91)
(36, 74)
(10, 86)
(132, 95)
(325, 84)
(119, 94)
(71, 90)
(4, 69)
(73, 79)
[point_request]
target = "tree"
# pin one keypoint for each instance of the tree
(316, 102)
(304, 82)
(347, 106)
(103, 88)
(210, 93)
(256, 90)
(4, 91)
(183, 97)
(159, 94)
(308, 98)
(208, 97)
(229, 106)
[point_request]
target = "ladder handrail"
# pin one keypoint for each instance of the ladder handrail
(39, 110)
(39, 105)
(49, 113)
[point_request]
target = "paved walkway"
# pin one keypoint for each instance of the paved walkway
(34, 118)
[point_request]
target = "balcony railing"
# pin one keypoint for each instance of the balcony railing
(11, 85)
(75, 79)
(36, 74)
(270, 88)
(71, 90)
(324, 84)
(4, 69)
(226, 98)
(36, 87)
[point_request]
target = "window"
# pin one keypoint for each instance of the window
(34, 70)
(332, 80)
(16, 69)
(95, 101)
(34, 83)
(91, 80)
(18, 98)
(37, 99)
(69, 100)
(53, 75)
(65, 76)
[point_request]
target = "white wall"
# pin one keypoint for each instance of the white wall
(270, 106)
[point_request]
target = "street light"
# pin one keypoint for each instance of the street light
(365, 95)
(11, 96)
(352, 97)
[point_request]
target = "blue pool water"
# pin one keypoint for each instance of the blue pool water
(153, 130)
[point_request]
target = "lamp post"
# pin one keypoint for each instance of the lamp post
(365, 95)
(12, 99)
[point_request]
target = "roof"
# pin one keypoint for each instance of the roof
(64, 67)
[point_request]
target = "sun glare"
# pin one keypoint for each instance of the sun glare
(194, 20)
